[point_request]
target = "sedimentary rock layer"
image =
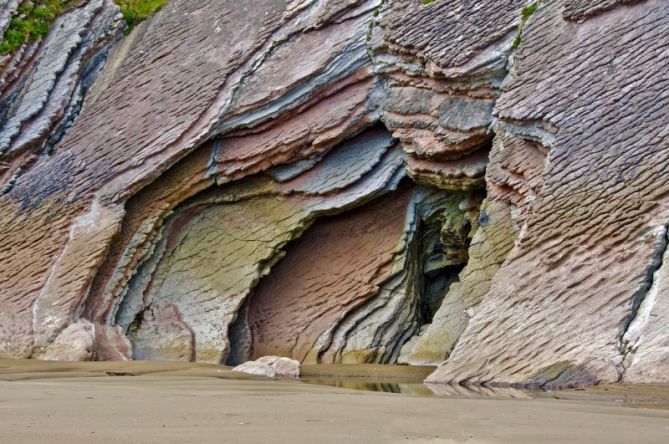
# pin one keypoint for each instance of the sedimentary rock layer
(42, 84)
(65, 210)
(339, 264)
(595, 94)
(215, 248)
(235, 179)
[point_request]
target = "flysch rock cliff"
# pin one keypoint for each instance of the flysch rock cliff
(474, 184)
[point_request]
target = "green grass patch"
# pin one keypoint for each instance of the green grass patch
(32, 22)
(136, 11)
(529, 10)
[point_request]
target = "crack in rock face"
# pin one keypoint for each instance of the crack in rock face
(459, 183)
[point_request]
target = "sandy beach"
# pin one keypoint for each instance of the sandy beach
(143, 402)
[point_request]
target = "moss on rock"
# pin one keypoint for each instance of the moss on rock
(136, 11)
(34, 19)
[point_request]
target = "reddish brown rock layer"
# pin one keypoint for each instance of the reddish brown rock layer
(43, 82)
(338, 264)
(105, 153)
(143, 116)
(579, 10)
(448, 34)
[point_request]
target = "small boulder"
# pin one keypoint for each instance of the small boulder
(74, 344)
(255, 368)
(271, 366)
(269, 360)
(287, 368)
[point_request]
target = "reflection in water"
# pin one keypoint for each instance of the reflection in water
(417, 388)
(371, 385)
(478, 391)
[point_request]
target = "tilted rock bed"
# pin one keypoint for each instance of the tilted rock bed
(343, 182)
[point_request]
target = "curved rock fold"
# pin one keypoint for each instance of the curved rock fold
(463, 183)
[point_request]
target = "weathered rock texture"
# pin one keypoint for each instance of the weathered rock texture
(42, 84)
(342, 181)
(271, 366)
(594, 95)
(337, 266)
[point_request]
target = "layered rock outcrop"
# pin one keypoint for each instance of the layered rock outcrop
(594, 96)
(42, 84)
(472, 183)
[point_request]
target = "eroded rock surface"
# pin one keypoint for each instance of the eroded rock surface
(75, 343)
(42, 84)
(558, 309)
(342, 181)
(338, 265)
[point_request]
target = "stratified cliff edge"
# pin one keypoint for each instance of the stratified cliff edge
(476, 184)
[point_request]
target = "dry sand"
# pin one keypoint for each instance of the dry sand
(181, 403)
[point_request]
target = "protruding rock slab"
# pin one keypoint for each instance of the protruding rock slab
(581, 10)
(448, 34)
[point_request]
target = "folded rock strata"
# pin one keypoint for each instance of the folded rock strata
(342, 181)
(345, 259)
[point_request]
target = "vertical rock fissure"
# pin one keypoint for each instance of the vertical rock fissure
(240, 335)
(435, 283)
(627, 343)
(448, 226)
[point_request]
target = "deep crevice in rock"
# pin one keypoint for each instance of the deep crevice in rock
(629, 335)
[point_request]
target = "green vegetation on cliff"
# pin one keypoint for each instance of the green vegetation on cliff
(33, 19)
(136, 11)
(525, 14)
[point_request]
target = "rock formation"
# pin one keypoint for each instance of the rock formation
(593, 95)
(271, 367)
(477, 184)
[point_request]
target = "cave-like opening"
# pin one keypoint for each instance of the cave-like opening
(335, 258)
(324, 301)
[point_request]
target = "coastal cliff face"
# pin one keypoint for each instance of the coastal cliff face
(479, 185)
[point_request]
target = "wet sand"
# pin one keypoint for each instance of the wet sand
(142, 402)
